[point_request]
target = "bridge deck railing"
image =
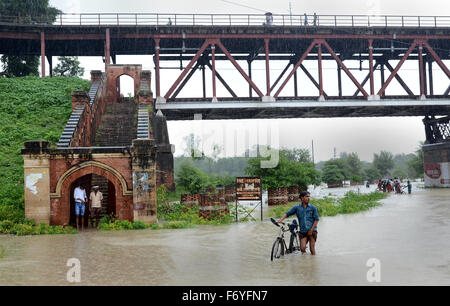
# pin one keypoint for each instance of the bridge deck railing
(143, 19)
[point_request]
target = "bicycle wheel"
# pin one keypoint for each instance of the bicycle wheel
(294, 243)
(277, 249)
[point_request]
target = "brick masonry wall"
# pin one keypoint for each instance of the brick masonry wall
(90, 120)
(278, 196)
(60, 203)
(212, 204)
(144, 180)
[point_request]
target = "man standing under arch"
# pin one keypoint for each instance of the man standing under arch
(95, 205)
(80, 202)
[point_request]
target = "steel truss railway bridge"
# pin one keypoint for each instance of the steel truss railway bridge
(381, 43)
(376, 42)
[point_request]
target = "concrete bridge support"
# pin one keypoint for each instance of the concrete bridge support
(143, 153)
(164, 157)
(436, 159)
(436, 152)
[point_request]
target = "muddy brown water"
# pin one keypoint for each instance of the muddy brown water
(409, 235)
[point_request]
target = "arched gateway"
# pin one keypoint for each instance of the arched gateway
(106, 142)
(82, 173)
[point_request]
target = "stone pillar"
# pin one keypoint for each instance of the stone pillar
(37, 181)
(436, 158)
(145, 95)
(80, 98)
(96, 75)
(165, 152)
(143, 154)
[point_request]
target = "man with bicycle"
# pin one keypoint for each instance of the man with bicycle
(308, 217)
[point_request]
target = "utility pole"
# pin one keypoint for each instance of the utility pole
(290, 11)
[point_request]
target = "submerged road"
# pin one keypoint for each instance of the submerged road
(409, 235)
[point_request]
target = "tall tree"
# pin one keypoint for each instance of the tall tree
(69, 66)
(331, 174)
(335, 171)
(19, 66)
(353, 162)
(384, 162)
(285, 174)
(297, 155)
(30, 11)
(371, 174)
(191, 178)
(37, 11)
(415, 164)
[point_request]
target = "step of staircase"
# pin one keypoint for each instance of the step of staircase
(118, 126)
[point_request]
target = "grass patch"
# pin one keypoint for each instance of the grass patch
(350, 203)
(110, 223)
(31, 108)
(30, 227)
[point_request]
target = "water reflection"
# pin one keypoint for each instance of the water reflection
(409, 234)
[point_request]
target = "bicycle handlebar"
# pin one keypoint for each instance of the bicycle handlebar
(275, 222)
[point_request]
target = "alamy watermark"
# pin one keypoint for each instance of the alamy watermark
(374, 273)
(74, 273)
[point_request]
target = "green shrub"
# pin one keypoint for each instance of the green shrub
(21, 229)
(155, 226)
(177, 224)
(29, 227)
(139, 225)
(350, 203)
(6, 226)
(110, 223)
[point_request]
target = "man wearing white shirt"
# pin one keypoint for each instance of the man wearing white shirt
(80, 202)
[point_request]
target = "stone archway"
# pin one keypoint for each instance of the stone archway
(122, 80)
(114, 72)
(60, 201)
(105, 186)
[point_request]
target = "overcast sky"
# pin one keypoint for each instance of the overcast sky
(364, 136)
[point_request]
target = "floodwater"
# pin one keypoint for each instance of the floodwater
(409, 235)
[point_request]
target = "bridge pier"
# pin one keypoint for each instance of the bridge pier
(436, 152)
(436, 159)
(164, 156)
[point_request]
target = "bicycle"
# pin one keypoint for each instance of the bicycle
(279, 247)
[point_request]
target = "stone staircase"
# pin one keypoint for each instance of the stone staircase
(118, 126)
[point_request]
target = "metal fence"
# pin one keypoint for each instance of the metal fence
(131, 19)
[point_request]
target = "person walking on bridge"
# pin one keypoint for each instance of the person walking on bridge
(308, 217)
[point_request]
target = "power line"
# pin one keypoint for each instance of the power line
(243, 6)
